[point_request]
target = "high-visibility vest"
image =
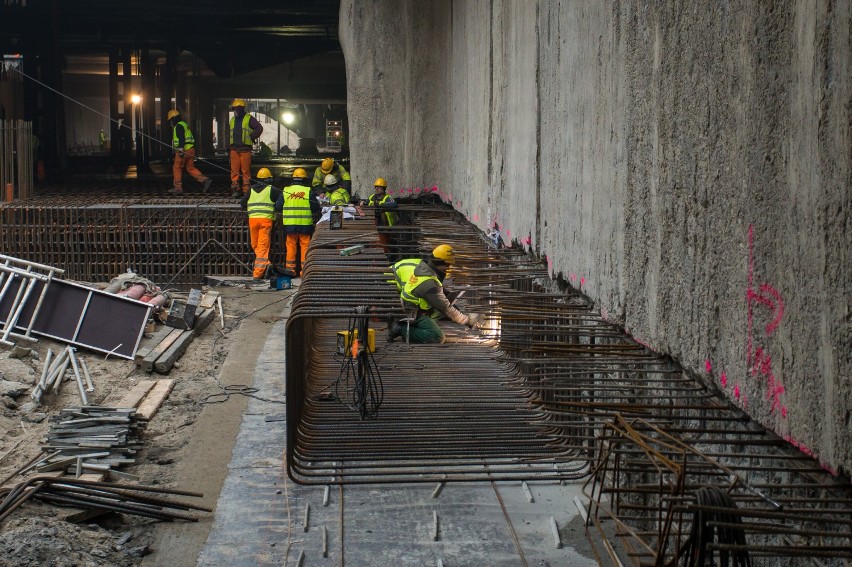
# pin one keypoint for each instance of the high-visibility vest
(407, 282)
(260, 205)
(245, 132)
(188, 140)
(338, 197)
(297, 206)
(390, 217)
(338, 171)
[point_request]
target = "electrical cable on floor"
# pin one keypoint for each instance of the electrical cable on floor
(698, 552)
(359, 383)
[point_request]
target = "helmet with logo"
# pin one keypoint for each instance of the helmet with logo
(444, 252)
(172, 113)
(327, 165)
(264, 173)
(300, 173)
(329, 180)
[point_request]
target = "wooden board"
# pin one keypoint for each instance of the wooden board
(148, 362)
(132, 398)
(155, 398)
(147, 345)
(167, 360)
(209, 299)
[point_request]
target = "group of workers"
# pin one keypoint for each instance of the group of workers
(420, 282)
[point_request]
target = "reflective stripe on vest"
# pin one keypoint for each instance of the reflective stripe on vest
(390, 217)
(407, 282)
(245, 131)
(297, 206)
(260, 205)
(188, 140)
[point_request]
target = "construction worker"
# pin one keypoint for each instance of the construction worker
(261, 203)
(385, 215)
(184, 145)
(328, 166)
(335, 194)
(297, 213)
(245, 129)
(420, 285)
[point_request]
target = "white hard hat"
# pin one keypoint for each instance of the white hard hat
(329, 180)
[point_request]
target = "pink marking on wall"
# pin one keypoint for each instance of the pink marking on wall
(508, 233)
(476, 218)
(758, 360)
(708, 367)
(582, 281)
(573, 277)
(549, 263)
(723, 380)
(737, 391)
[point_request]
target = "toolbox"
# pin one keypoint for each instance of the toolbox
(344, 342)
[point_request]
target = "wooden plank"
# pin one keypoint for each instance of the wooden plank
(132, 398)
(209, 300)
(147, 345)
(148, 362)
(165, 363)
(155, 398)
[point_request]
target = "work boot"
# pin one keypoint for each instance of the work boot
(205, 185)
(237, 194)
(394, 329)
(175, 190)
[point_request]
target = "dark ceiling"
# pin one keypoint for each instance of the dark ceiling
(231, 37)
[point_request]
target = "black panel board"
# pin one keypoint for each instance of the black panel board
(109, 323)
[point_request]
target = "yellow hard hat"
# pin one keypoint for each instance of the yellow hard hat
(264, 173)
(380, 182)
(172, 113)
(299, 172)
(238, 102)
(444, 252)
(327, 164)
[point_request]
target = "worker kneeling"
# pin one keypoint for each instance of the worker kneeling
(420, 285)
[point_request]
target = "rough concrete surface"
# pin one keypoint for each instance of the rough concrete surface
(687, 165)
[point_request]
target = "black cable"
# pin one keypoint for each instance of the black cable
(696, 551)
(359, 383)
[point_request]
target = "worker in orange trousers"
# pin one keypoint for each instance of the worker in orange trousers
(262, 202)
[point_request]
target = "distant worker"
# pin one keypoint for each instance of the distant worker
(298, 211)
(102, 140)
(420, 285)
(184, 146)
(245, 129)
(335, 194)
(385, 210)
(329, 166)
(261, 203)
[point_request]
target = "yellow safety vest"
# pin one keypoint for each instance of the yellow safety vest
(390, 217)
(260, 205)
(188, 140)
(338, 197)
(407, 281)
(297, 206)
(246, 131)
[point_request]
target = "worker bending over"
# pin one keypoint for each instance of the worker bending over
(327, 166)
(335, 194)
(420, 285)
(184, 145)
(297, 213)
(261, 203)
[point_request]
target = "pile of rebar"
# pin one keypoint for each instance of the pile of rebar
(534, 394)
(146, 501)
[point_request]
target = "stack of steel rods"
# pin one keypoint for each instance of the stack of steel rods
(138, 500)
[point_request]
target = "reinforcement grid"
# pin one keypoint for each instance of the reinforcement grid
(546, 390)
(173, 242)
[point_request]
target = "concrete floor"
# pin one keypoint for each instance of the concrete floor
(262, 518)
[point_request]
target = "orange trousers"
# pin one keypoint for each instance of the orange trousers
(261, 240)
(240, 163)
(186, 162)
(302, 241)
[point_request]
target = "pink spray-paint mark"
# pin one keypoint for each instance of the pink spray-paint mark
(508, 233)
(434, 188)
(737, 391)
(582, 281)
(707, 366)
(573, 277)
(723, 379)
(784, 411)
(475, 218)
(549, 263)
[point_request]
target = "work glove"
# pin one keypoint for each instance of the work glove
(474, 320)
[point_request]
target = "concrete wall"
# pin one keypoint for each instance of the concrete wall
(687, 164)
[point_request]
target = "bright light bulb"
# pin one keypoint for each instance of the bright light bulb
(287, 117)
(135, 99)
